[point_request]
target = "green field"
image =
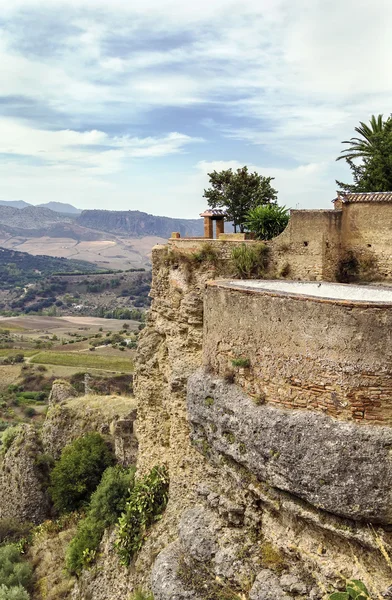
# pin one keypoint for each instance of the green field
(69, 359)
(13, 351)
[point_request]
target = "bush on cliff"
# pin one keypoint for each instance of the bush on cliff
(250, 260)
(15, 573)
(145, 505)
(13, 593)
(106, 505)
(8, 437)
(78, 472)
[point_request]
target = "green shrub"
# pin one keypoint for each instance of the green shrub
(106, 505)
(250, 260)
(82, 549)
(355, 590)
(78, 472)
(108, 502)
(145, 505)
(141, 595)
(8, 437)
(13, 593)
(267, 220)
(241, 362)
(207, 253)
(29, 412)
(14, 571)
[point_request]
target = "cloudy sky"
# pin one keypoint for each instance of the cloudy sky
(128, 104)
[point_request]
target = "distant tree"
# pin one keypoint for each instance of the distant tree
(369, 157)
(267, 220)
(238, 192)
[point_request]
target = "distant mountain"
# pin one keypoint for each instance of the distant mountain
(14, 203)
(134, 223)
(31, 217)
(61, 207)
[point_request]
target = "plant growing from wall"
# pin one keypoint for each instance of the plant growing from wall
(146, 503)
(250, 260)
(267, 221)
(207, 253)
(241, 362)
(355, 590)
(141, 595)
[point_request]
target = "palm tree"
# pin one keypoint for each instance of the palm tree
(365, 146)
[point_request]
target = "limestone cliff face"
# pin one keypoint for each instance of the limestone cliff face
(23, 496)
(246, 505)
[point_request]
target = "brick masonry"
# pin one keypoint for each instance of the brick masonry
(310, 354)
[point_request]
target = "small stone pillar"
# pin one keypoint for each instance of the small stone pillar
(220, 227)
(176, 235)
(208, 228)
(210, 215)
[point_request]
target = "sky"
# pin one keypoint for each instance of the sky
(128, 105)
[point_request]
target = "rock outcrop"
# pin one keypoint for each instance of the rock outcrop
(22, 478)
(340, 467)
(111, 416)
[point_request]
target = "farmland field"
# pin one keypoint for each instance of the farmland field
(37, 350)
(83, 360)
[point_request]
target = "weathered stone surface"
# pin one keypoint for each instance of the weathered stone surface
(340, 467)
(165, 583)
(22, 494)
(61, 390)
(267, 587)
(197, 532)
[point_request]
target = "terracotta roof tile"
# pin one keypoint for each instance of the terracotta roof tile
(213, 212)
(366, 197)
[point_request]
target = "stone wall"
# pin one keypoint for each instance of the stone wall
(366, 231)
(304, 353)
(315, 241)
(211, 470)
(309, 247)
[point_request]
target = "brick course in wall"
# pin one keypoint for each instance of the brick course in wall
(313, 354)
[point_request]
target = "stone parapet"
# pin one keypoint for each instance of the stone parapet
(301, 352)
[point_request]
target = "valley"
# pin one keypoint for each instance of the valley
(109, 239)
(37, 350)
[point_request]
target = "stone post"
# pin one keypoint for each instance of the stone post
(208, 228)
(220, 227)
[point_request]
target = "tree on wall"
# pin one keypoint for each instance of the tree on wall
(373, 152)
(238, 192)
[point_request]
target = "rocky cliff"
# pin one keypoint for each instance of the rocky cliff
(134, 223)
(265, 502)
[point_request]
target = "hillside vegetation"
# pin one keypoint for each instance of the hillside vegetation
(21, 268)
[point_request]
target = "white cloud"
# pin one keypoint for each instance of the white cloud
(291, 79)
(93, 150)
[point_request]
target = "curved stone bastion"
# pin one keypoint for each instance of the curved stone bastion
(297, 389)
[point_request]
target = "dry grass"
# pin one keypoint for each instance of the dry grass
(47, 555)
(109, 405)
(8, 375)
